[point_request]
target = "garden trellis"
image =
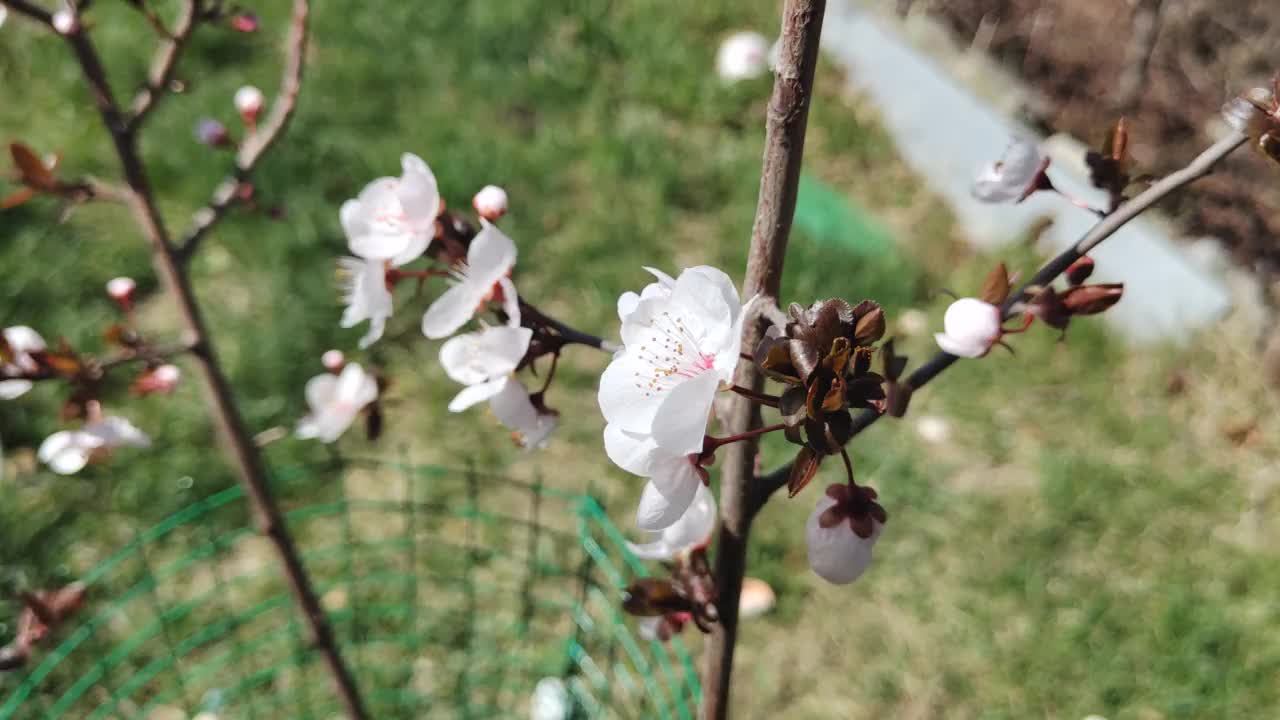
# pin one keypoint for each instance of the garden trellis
(452, 592)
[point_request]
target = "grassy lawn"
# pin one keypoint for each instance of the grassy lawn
(1090, 539)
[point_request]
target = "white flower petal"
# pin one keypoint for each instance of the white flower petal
(452, 310)
(658, 510)
(112, 431)
(971, 327)
(491, 255)
(510, 301)
(23, 339)
(475, 357)
(473, 394)
(836, 553)
(321, 390)
(418, 193)
(66, 452)
(356, 387)
(681, 420)
(10, 389)
(627, 303)
(633, 452)
(626, 396)
(692, 529)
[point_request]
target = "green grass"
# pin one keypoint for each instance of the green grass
(1085, 542)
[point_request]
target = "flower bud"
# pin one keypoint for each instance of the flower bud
(249, 101)
(66, 22)
(836, 553)
(212, 133)
(742, 56)
(333, 360)
(970, 328)
(490, 203)
(162, 379)
(121, 290)
(245, 22)
(1080, 270)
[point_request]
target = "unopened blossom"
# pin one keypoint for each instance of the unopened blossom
(245, 22)
(681, 340)
(484, 276)
(249, 102)
(530, 426)
(121, 289)
(160, 379)
(742, 56)
(836, 552)
(22, 341)
(66, 22)
(484, 362)
(333, 360)
(212, 133)
(336, 401)
(550, 700)
(366, 296)
(1018, 174)
(394, 218)
(693, 529)
(970, 328)
(67, 452)
(490, 203)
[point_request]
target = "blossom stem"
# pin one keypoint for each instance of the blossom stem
(709, 444)
(1079, 203)
(395, 275)
(762, 398)
(848, 465)
(532, 317)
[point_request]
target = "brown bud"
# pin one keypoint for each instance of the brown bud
(1092, 299)
(870, 327)
(1047, 305)
(648, 597)
(1080, 270)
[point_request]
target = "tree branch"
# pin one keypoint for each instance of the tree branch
(785, 124)
(250, 467)
(570, 335)
(257, 144)
(31, 10)
(163, 65)
(1202, 165)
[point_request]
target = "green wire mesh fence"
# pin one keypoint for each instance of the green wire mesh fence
(452, 594)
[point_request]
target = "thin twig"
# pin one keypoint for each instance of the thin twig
(786, 119)
(163, 64)
(260, 141)
(245, 455)
(31, 10)
(569, 334)
(1202, 165)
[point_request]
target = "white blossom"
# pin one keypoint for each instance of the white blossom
(481, 278)
(336, 401)
(249, 101)
(530, 427)
(394, 218)
(836, 553)
(366, 296)
(1014, 177)
(681, 340)
(692, 530)
(67, 452)
(22, 341)
(742, 56)
(483, 361)
(121, 289)
(970, 327)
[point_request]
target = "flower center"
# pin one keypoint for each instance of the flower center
(671, 355)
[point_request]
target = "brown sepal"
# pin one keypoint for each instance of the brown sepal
(870, 326)
(649, 597)
(1080, 270)
(32, 171)
(995, 289)
(803, 469)
(1047, 305)
(1092, 299)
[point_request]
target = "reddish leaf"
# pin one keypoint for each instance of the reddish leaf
(803, 469)
(31, 169)
(1092, 299)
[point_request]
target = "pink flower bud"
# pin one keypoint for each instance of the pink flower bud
(245, 22)
(66, 22)
(121, 290)
(212, 133)
(970, 328)
(333, 360)
(490, 203)
(162, 379)
(249, 102)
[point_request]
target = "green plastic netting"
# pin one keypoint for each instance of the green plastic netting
(452, 594)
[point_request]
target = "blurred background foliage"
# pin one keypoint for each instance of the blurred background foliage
(1093, 532)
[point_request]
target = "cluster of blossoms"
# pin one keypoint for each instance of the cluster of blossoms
(25, 358)
(397, 221)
